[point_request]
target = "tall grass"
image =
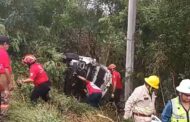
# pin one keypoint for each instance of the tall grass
(60, 109)
(21, 109)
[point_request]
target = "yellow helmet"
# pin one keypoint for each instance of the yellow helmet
(153, 81)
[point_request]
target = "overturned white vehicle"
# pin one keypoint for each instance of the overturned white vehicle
(88, 68)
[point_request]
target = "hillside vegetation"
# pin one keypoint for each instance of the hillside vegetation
(59, 109)
(98, 29)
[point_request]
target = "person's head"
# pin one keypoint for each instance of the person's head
(112, 67)
(184, 90)
(29, 59)
(152, 82)
(4, 42)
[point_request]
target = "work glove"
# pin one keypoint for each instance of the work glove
(112, 95)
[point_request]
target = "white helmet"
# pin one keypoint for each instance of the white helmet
(184, 86)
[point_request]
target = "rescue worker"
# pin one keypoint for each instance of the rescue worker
(94, 93)
(178, 108)
(141, 104)
(6, 79)
(38, 77)
(116, 85)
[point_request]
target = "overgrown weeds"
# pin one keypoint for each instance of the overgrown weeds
(60, 109)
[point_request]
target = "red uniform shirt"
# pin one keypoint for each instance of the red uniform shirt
(92, 88)
(4, 61)
(38, 74)
(116, 78)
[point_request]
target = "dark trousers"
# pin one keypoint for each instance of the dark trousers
(41, 91)
(94, 99)
(117, 97)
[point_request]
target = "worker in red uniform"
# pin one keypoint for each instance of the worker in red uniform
(116, 85)
(6, 80)
(94, 93)
(38, 77)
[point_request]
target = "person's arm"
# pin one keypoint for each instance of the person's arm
(28, 80)
(5, 86)
(130, 103)
(167, 112)
(114, 87)
(82, 78)
(114, 80)
(32, 76)
(9, 78)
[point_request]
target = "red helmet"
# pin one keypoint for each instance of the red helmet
(112, 66)
(29, 59)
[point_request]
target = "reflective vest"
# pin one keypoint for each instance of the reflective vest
(179, 114)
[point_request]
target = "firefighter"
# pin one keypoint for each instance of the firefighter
(116, 85)
(177, 109)
(38, 77)
(141, 103)
(94, 93)
(6, 79)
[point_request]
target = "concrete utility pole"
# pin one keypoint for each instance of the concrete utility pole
(130, 47)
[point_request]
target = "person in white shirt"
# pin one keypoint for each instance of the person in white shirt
(141, 104)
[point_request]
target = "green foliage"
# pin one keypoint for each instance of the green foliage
(2, 30)
(60, 108)
(49, 28)
(48, 9)
(21, 17)
(17, 43)
(52, 61)
(162, 40)
(22, 111)
(66, 104)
